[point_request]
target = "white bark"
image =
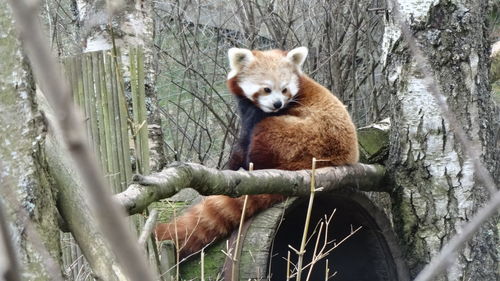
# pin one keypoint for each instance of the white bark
(437, 191)
(132, 24)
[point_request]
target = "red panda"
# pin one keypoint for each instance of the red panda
(286, 120)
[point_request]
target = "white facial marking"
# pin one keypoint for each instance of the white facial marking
(267, 102)
(274, 101)
(249, 89)
(268, 83)
(293, 87)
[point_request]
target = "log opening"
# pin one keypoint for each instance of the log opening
(370, 254)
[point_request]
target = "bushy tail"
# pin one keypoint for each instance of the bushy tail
(214, 218)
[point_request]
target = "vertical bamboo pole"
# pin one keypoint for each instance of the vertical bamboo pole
(109, 122)
(92, 106)
(116, 120)
(141, 114)
(112, 124)
(84, 97)
(98, 75)
(78, 73)
(140, 132)
(135, 105)
(74, 79)
(106, 110)
(124, 136)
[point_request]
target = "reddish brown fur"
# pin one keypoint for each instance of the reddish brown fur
(212, 219)
(317, 126)
(232, 85)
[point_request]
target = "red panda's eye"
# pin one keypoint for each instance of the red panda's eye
(267, 90)
(284, 90)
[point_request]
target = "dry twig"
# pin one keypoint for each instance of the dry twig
(148, 227)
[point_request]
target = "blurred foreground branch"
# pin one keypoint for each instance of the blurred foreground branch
(208, 181)
(110, 219)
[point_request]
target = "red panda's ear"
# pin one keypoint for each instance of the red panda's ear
(238, 58)
(297, 56)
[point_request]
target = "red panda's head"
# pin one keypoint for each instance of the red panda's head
(270, 79)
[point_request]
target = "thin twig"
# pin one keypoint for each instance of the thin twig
(313, 262)
(327, 270)
(148, 227)
(335, 246)
(235, 262)
(306, 223)
(288, 266)
(202, 264)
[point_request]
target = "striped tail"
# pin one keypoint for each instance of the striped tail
(214, 218)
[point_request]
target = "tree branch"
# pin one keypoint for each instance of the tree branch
(208, 181)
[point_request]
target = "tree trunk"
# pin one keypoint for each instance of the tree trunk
(132, 26)
(435, 184)
(26, 192)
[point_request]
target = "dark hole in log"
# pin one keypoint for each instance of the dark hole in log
(365, 256)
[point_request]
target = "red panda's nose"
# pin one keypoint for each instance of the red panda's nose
(277, 104)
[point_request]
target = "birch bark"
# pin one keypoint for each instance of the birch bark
(436, 189)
